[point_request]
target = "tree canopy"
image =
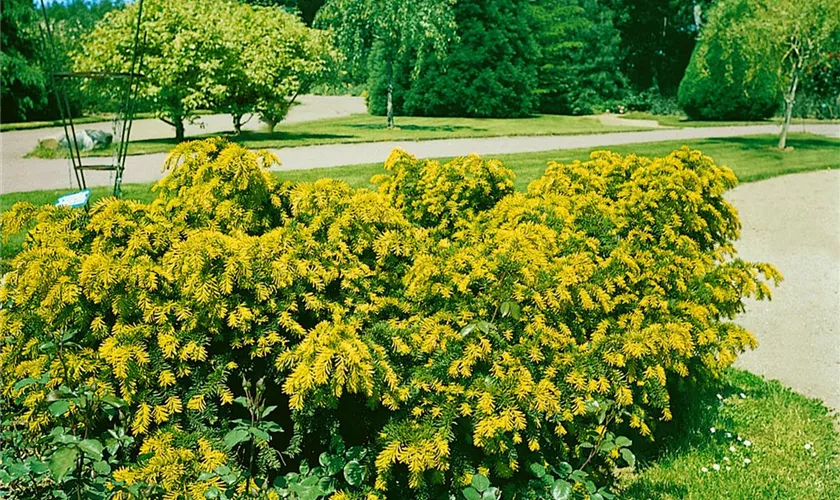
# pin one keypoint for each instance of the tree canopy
(23, 86)
(395, 26)
(580, 52)
(215, 54)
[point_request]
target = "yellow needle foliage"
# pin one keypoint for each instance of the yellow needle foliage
(445, 301)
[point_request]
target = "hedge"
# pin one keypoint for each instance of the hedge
(490, 70)
(239, 337)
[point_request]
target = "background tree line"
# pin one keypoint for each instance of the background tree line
(717, 59)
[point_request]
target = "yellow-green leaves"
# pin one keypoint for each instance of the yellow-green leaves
(453, 308)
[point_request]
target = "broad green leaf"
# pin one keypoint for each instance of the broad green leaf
(24, 383)
(515, 311)
(92, 448)
(101, 467)
(537, 470)
(62, 461)
(561, 490)
(268, 410)
(59, 408)
(260, 434)
(471, 493)
(480, 482)
(113, 401)
(623, 441)
(332, 464)
(354, 473)
(563, 469)
(235, 437)
(628, 457)
(18, 470)
(326, 485)
(467, 329)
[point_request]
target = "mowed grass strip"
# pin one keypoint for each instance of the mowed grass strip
(366, 128)
(682, 121)
(751, 158)
(788, 447)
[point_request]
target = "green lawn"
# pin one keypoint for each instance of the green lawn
(682, 121)
(777, 422)
(8, 127)
(366, 128)
(752, 158)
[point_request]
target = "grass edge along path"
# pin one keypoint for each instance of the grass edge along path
(366, 128)
(752, 159)
(778, 423)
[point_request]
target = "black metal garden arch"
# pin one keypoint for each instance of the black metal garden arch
(124, 84)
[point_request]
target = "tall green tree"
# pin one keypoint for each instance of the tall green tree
(395, 26)
(722, 81)
(488, 71)
(22, 82)
(792, 34)
(658, 38)
(580, 55)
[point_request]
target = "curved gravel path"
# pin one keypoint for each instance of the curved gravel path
(793, 222)
(33, 174)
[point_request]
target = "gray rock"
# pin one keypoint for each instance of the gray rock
(101, 139)
(90, 139)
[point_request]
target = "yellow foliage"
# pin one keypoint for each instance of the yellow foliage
(442, 298)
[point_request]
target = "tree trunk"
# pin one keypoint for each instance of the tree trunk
(179, 129)
(237, 123)
(790, 100)
(390, 75)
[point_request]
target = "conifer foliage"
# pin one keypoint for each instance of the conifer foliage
(424, 336)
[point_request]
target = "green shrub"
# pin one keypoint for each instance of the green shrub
(580, 50)
(489, 71)
(426, 337)
(720, 84)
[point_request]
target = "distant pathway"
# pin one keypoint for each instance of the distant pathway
(793, 222)
(34, 174)
(14, 145)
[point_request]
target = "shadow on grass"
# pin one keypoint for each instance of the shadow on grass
(696, 409)
(803, 143)
(419, 128)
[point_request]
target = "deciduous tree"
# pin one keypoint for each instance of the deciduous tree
(395, 25)
(22, 83)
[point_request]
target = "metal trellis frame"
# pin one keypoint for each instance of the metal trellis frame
(126, 86)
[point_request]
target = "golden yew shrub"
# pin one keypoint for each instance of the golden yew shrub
(445, 321)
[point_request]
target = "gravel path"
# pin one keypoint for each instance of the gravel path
(33, 174)
(793, 222)
(16, 144)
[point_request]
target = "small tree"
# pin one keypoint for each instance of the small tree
(794, 34)
(281, 59)
(184, 56)
(396, 25)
